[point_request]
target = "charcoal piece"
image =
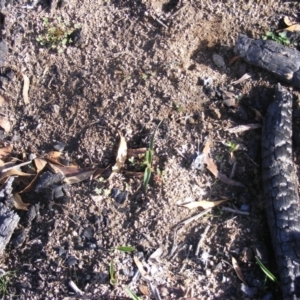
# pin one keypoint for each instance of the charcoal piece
(8, 222)
(282, 61)
(20, 238)
(47, 180)
(31, 215)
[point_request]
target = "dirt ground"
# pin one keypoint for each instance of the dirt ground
(131, 64)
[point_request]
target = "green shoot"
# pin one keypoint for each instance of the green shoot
(4, 280)
(131, 294)
(131, 160)
(232, 146)
(125, 249)
(148, 160)
(113, 280)
(266, 271)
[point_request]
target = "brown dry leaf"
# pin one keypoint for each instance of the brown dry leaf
(84, 175)
(4, 152)
(39, 164)
(144, 290)
(5, 124)
(238, 270)
(212, 167)
(99, 171)
(13, 172)
(287, 21)
(53, 154)
(25, 89)
(19, 204)
(121, 155)
(141, 268)
(67, 171)
(242, 128)
(203, 204)
(295, 27)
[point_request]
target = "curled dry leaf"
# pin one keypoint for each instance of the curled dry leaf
(242, 128)
(39, 165)
(212, 167)
(144, 290)
(292, 28)
(5, 124)
(13, 172)
(203, 204)
(287, 21)
(83, 175)
(238, 270)
(121, 155)
(19, 204)
(25, 89)
(4, 152)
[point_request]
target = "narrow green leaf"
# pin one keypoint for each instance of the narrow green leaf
(147, 176)
(125, 249)
(266, 271)
(131, 294)
(112, 280)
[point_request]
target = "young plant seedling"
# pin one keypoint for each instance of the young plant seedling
(125, 249)
(266, 271)
(131, 294)
(280, 38)
(57, 35)
(148, 160)
(112, 274)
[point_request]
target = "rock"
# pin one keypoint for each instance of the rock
(219, 61)
(59, 146)
(249, 291)
(71, 261)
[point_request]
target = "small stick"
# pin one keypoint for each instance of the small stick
(75, 288)
(17, 166)
(235, 211)
(201, 239)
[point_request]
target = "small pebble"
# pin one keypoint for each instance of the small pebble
(71, 261)
(249, 291)
(59, 146)
(218, 60)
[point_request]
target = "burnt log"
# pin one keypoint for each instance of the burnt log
(281, 191)
(283, 62)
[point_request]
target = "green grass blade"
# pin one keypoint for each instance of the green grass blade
(266, 271)
(112, 280)
(131, 294)
(147, 176)
(126, 249)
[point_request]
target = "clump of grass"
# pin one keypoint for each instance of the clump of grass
(57, 34)
(4, 280)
